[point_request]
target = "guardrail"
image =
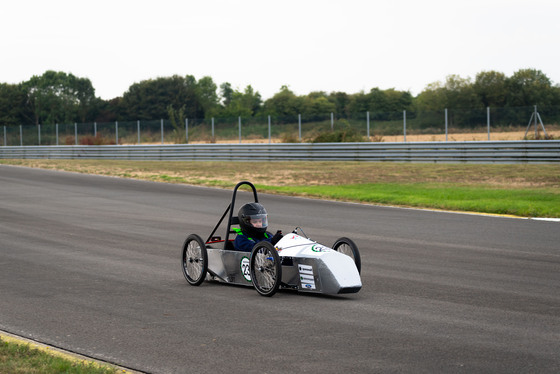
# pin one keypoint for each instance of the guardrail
(529, 151)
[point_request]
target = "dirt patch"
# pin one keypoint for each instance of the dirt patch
(465, 137)
(226, 174)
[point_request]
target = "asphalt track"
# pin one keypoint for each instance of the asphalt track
(91, 264)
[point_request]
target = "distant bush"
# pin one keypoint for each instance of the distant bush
(289, 138)
(346, 134)
(91, 140)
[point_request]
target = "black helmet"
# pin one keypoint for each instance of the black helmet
(253, 219)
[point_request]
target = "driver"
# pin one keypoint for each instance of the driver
(253, 221)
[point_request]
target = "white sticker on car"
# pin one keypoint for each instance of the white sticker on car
(246, 268)
(306, 277)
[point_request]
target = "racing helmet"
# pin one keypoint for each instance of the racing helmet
(253, 219)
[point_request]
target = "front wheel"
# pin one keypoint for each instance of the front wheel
(266, 269)
(194, 260)
(349, 248)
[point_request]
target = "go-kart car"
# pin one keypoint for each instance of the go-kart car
(295, 262)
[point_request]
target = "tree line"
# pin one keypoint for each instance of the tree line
(59, 97)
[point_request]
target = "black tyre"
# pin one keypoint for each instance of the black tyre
(349, 248)
(266, 269)
(194, 260)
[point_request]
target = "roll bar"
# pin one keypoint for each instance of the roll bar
(231, 208)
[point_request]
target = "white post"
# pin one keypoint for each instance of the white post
(332, 121)
(299, 126)
(20, 136)
(368, 125)
(404, 125)
(536, 124)
(95, 129)
(488, 121)
(117, 132)
(75, 133)
(161, 131)
(269, 133)
(187, 130)
(212, 128)
(39, 132)
(445, 124)
(57, 134)
(5, 142)
(239, 118)
(138, 127)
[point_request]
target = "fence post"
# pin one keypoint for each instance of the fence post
(445, 124)
(95, 129)
(239, 129)
(138, 125)
(212, 128)
(187, 130)
(5, 142)
(299, 126)
(39, 133)
(404, 125)
(117, 132)
(162, 131)
(269, 133)
(20, 136)
(488, 121)
(368, 125)
(536, 124)
(75, 133)
(57, 134)
(332, 121)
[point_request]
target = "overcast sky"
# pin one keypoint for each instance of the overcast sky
(308, 45)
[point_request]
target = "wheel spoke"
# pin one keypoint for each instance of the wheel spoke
(345, 248)
(265, 271)
(194, 262)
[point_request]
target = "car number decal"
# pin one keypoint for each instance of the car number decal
(246, 268)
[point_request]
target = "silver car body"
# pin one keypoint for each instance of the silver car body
(306, 266)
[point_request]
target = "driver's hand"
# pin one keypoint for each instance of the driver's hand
(276, 238)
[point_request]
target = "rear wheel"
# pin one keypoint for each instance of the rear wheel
(194, 260)
(349, 248)
(266, 269)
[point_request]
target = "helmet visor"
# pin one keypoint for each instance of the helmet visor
(258, 220)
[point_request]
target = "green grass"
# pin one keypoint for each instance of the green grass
(21, 358)
(519, 202)
(524, 190)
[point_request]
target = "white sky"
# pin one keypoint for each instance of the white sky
(308, 45)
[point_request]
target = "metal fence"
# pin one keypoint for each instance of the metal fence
(366, 126)
(452, 152)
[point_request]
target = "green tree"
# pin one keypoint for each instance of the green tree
(207, 96)
(13, 108)
(57, 97)
(382, 104)
(527, 87)
(358, 103)
(455, 93)
(109, 110)
(149, 99)
(340, 101)
(316, 105)
(241, 104)
(226, 93)
(491, 88)
(283, 104)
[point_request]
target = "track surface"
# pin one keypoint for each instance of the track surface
(92, 264)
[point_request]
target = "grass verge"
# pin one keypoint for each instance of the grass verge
(516, 189)
(524, 203)
(21, 358)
